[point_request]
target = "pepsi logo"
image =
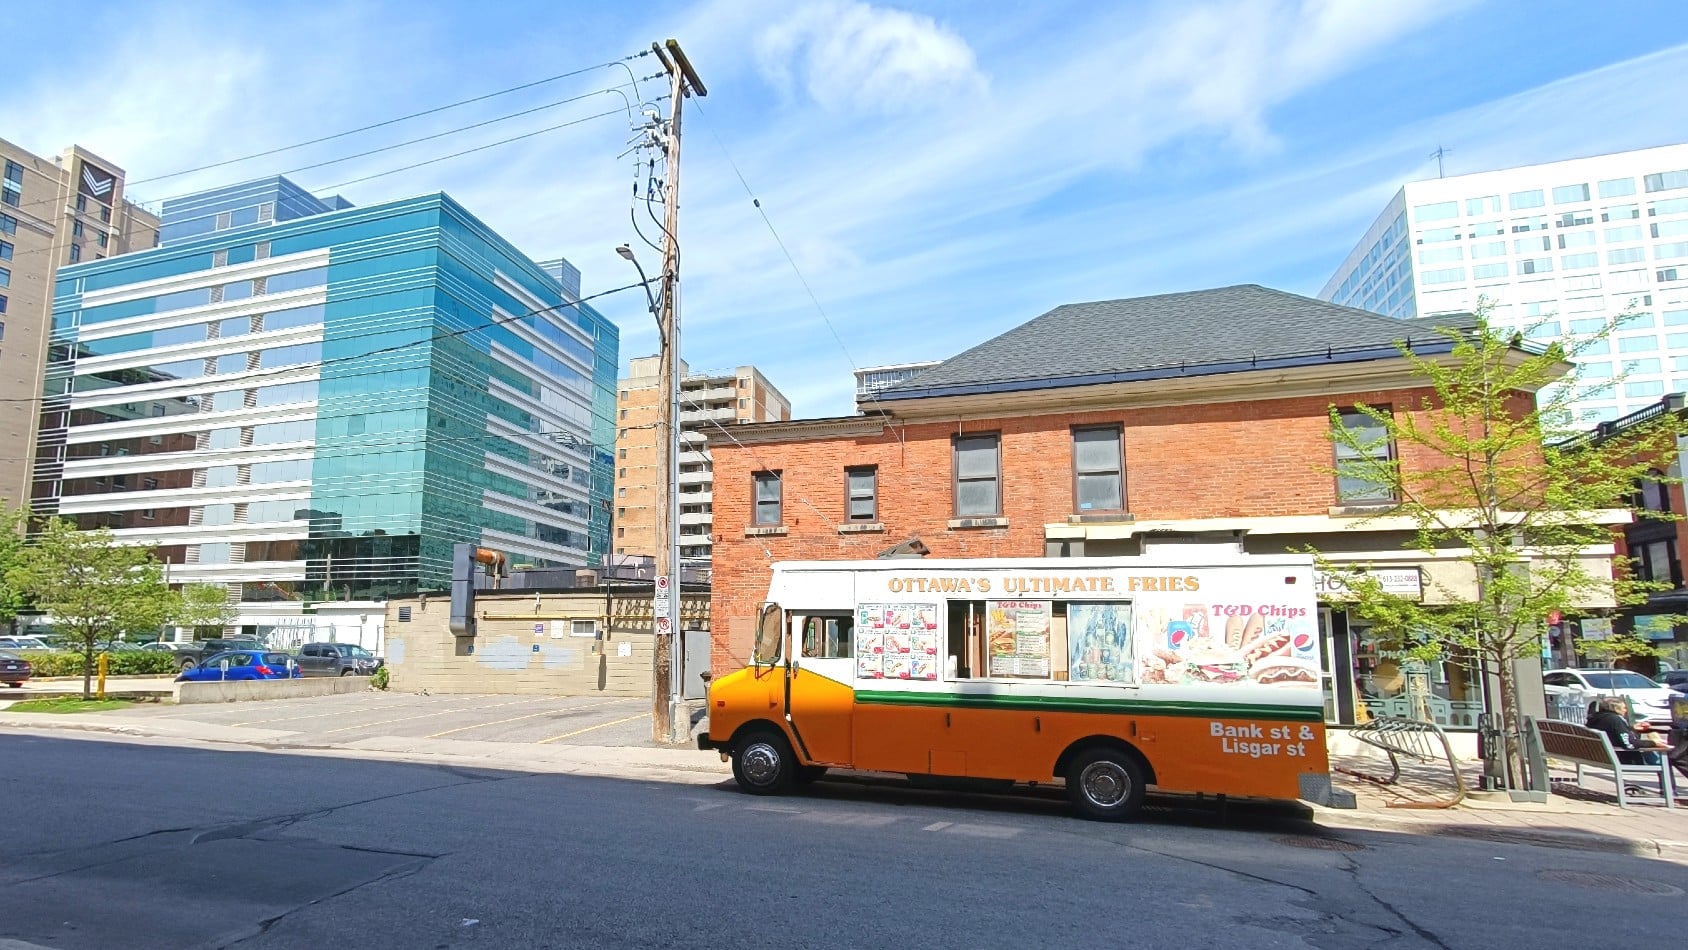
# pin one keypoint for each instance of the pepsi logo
(1302, 641)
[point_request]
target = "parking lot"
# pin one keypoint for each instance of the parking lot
(524, 720)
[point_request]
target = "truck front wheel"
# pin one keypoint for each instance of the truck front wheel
(763, 763)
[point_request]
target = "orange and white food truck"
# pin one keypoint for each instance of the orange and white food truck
(1110, 674)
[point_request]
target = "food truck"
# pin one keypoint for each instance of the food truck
(1196, 675)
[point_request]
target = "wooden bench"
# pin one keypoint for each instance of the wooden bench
(1590, 748)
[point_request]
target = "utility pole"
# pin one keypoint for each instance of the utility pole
(1438, 156)
(665, 602)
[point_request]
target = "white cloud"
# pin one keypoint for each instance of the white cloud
(855, 56)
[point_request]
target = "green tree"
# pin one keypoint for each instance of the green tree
(1495, 479)
(11, 548)
(203, 607)
(93, 588)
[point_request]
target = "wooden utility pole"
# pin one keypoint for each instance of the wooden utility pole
(665, 602)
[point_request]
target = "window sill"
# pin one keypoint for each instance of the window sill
(991, 522)
(1362, 509)
(766, 531)
(862, 527)
(1102, 517)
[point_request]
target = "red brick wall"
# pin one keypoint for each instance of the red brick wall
(1243, 459)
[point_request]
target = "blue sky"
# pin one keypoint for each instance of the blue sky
(939, 171)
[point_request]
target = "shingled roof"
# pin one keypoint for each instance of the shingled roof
(1195, 333)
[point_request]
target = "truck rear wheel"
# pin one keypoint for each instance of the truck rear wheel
(763, 763)
(1105, 784)
(189, 664)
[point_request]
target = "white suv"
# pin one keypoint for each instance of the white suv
(1648, 701)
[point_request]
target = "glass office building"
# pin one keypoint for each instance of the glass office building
(1559, 249)
(314, 403)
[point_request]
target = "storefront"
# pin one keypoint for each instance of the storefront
(1366, 676)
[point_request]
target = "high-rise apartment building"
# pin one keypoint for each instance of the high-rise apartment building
(1559, 249)
(708, 401)
(310, 402)
(872, 380)
(53, 211)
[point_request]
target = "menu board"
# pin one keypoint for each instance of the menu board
(1018, 635)
(1099, 642)
(897, 641)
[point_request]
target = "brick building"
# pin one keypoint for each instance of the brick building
(708, 401)
(1655, 541)
(1104, 429)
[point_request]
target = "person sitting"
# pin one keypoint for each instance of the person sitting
(1611, 716)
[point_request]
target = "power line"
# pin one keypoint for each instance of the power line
(394, 121)
(757, 202)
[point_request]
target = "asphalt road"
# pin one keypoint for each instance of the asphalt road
(522, 720)
(117, 845)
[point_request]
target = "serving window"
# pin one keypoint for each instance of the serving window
(1039, 640)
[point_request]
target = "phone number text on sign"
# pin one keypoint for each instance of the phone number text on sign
(1256, 741)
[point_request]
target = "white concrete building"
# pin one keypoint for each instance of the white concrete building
(1560, 249)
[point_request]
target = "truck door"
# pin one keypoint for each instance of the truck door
(820, 671)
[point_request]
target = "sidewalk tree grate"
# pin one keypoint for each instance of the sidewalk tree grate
(1318, 843)
(1610, 882)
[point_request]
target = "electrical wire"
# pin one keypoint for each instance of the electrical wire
(394, 121)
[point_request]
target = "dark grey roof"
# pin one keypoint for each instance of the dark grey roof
(1195, 333)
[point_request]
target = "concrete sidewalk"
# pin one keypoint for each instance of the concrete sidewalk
(1587, 818)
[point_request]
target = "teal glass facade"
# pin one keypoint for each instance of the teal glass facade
(320, 408)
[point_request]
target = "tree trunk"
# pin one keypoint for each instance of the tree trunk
(1512, 720)
(88, 672)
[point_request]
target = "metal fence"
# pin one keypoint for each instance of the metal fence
(1567, 707)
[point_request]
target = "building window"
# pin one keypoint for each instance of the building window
(1617, 187)
(1568, 194)
(624, 395)
(1664, 181)
(75, 229)
(767, 497)
(743, 383)
(1657, 562)
(624, 414)
(103, 238)
(5, 277)
(1357, 464)
(11, 197)
(1519, 200)
(622, 455)
(8, 224)
(14, 173)
(105, 215)
(2, 304)
(621, 493)
(624, 473)
(978, 475)
(1652, 495)
(861, 494)
(1098, 476)
(5, 251)
(75, 253)
(621, 532)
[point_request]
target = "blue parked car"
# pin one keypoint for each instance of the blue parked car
(243, 665)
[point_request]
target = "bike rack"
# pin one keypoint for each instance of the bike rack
(1412, 737)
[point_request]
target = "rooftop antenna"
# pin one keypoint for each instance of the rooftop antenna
(1440, 151)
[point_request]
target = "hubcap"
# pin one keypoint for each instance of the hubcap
(1105, 784)
(761, 763)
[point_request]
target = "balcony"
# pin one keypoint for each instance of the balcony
(694, 416)
(701, 517)
(695, 478)
(692, 457)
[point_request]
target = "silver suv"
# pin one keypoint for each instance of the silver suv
(337, 659)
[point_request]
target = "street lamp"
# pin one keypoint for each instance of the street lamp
(645, 282)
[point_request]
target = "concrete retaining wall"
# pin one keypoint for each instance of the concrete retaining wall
(247, 690)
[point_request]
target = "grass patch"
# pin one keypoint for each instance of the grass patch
(69, 704)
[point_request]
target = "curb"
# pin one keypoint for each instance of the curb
(1541, 837)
